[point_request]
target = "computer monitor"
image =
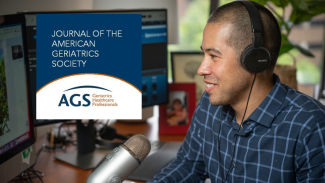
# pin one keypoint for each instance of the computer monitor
(154, 54)
(17, 152)
(154, 76)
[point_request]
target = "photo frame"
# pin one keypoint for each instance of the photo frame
(184, 70)
(175, 117)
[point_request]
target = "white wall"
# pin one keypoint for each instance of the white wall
(14, 6)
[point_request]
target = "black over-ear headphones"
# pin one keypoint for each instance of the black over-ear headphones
(255, 58)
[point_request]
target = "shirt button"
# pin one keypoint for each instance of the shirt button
(233, 165)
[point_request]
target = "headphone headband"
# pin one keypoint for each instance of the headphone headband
(255, 58)
(256, 23)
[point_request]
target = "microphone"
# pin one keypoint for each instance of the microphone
(122, 162)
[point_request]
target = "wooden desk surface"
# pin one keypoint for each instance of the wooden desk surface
(57, 171)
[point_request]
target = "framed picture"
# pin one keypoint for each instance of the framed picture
(175, 117)
(184, 69)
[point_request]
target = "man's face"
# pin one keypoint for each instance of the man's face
(227, 81)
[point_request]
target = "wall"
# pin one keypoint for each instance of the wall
(14, 6)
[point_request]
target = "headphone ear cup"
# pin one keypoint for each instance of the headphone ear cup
(255, 60)
(243, 56)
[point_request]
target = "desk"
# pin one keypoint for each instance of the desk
(56, 171)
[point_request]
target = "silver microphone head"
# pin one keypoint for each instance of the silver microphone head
(138, 146)
(123, 161)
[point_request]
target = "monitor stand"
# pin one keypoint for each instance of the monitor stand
(86, 156)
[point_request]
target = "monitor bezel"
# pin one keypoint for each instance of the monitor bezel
(10, 20)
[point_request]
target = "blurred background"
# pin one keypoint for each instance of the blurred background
(302, 25)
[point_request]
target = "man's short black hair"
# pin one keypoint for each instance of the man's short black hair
(241, 33)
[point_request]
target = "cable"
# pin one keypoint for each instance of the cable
(241, 126)
(35, 172)
(31, 169)
(37, 155)
(29, 176)
(25, 175)
(39, 177)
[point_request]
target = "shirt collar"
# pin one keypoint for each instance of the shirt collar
(266, 111)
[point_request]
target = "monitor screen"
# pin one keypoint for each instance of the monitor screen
(16, 125)
(154, 54)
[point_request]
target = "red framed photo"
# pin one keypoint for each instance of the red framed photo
(175, 117)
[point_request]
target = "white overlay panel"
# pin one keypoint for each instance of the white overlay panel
(123, 101)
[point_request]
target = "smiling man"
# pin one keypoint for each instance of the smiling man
(248, 126)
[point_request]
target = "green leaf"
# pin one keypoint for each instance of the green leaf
(306, 9)
(301, 49)
(262, 2)
(298, 16)
(316, 7)
(286, 46)
(299, 5)
(280, 3)
(309, 9)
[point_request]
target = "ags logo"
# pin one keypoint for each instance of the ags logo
(75, 99)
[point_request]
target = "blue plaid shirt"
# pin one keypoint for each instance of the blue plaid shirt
(281, 141)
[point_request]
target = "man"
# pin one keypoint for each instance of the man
(280, 138)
